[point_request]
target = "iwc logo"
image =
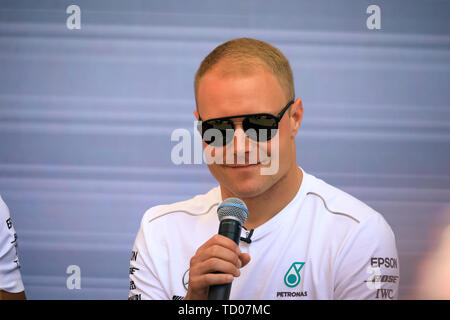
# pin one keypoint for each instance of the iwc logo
(292, 279)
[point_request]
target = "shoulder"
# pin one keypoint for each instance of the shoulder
(359, 234)
(197, 206)
(338, 202)
(5, 219)
(343, 209)
(4, 211)
(185, 223)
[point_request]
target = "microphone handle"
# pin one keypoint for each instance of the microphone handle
(229, 228)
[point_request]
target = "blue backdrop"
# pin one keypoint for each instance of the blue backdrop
(86, 118)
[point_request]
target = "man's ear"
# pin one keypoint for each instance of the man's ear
(196, 114)
(296, 115)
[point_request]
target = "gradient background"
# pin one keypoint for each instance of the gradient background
(86, 117)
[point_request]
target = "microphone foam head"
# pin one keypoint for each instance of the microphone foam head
(234, 208)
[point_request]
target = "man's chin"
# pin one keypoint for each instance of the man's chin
(246, 193)
(246, 188)
(243, 181)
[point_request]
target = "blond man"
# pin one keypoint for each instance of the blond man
(304, 239)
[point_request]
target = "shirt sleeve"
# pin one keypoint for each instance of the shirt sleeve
(10, 278)
(146, 283)
(367, 267)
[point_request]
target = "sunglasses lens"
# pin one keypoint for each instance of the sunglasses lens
(217, 132)
(260, 128)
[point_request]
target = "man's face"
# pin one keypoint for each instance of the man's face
(260, 92)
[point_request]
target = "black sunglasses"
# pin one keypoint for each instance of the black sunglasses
(259, 127)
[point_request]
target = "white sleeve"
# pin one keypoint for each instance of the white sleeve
(147, 255)
(10, 279)
(367, 267)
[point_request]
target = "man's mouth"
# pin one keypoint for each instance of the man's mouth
(236, 166)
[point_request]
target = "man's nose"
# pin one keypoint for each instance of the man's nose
(240, 142)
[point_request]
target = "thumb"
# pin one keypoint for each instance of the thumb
(245, 259)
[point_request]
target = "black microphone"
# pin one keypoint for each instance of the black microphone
(232, 215)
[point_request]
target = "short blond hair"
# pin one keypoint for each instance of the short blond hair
(245, 56)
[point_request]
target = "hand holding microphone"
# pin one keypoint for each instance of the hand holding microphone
(218, 260)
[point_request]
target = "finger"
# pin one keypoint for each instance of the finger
(244, 258)
(209, 279)
(217, 251)
(221, 241)
(216, 265)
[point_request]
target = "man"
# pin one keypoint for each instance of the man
(304, 239)
(11, 286)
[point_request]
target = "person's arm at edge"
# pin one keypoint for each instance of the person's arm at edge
(4, 295)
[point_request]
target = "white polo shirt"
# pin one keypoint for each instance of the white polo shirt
(10, 279)
(325, 244)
